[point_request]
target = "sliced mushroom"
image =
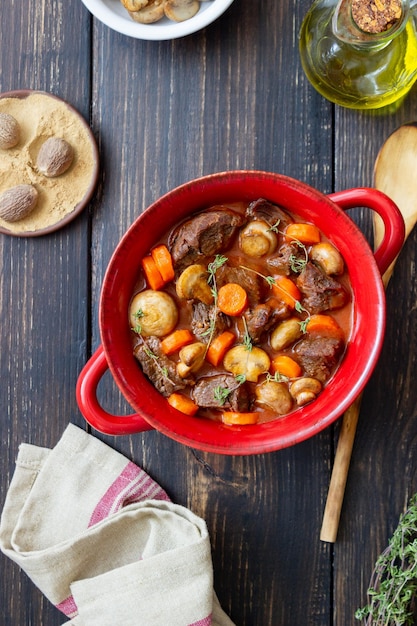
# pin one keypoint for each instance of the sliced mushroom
(257, 239)
(249, 363)
(191, 358)
(328, 257)
(275, 396)
(181, 10)
(305, 390)
(192, 284)
(153, 313)
(286, 333)
(151, 13)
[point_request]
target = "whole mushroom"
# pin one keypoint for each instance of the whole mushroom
(153, 313)
(191, 358)
(248, 363)
(305, 390)
(274, 395)
(192, 284)
(257, 239)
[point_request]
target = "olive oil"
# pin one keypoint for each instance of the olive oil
(354, 69)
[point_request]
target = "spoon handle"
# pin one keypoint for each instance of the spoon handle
(331, 516)
(340, 470)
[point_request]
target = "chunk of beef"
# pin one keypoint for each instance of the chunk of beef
(318, 356)
(271, 213)
(287, 257)
(221, 391)
(203, 315)
(263, 317)
(203, 236)
(254, 285)
(320, 292)
(160, 370)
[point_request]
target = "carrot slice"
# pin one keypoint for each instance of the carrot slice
(182, 403)
(232, 299)
(219, 346)
(234, 417)
(163, 261)
(176, 340)
(286, 366)
(286, 290)
(322, 324)
(152, 274)
(306, 233)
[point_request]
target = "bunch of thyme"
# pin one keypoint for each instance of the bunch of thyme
(393, 586)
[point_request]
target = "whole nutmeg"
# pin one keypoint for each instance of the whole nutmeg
(54, 157)
(9, 131)
(17, 202)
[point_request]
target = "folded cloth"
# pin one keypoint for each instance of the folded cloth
(102, 540)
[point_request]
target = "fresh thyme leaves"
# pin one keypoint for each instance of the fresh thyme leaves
(137, 328)
(247, 339)
(300, 309)
(296, 263)
(393, 585)
(149, 352)
(274, 227)
(164, 370)
(212, 268)
(222, 393)
(276, 378)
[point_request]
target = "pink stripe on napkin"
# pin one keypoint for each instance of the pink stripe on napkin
(132, 485)
(68, 607)
(203, 622)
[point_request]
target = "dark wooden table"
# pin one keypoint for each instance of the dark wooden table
(230, 96)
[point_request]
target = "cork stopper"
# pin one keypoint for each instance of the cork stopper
(376, 16)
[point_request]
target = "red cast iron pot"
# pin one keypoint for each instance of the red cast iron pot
(364, 267)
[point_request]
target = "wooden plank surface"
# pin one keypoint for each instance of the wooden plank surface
(44, 281)
(231, 96)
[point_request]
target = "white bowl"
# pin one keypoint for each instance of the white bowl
(115, 16)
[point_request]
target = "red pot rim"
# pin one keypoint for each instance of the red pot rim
(363, 347)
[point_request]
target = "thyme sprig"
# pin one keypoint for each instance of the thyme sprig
(221, 394)
(247, 339)
(393, 585)
(274, 227)
(217, 263)
(277, 377)
(137, 328)
(296, 264)
(162, 369)
(297, 304)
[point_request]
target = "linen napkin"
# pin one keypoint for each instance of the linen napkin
(102, 540)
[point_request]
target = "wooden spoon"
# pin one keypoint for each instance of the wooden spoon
(394, 174)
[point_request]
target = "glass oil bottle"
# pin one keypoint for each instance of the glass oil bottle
(360, 54)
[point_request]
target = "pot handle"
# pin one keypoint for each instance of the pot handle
(394, 228)
(95, 415)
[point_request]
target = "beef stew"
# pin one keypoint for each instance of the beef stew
(275, 339)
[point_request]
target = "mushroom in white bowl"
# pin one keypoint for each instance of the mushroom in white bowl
(157, 20)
